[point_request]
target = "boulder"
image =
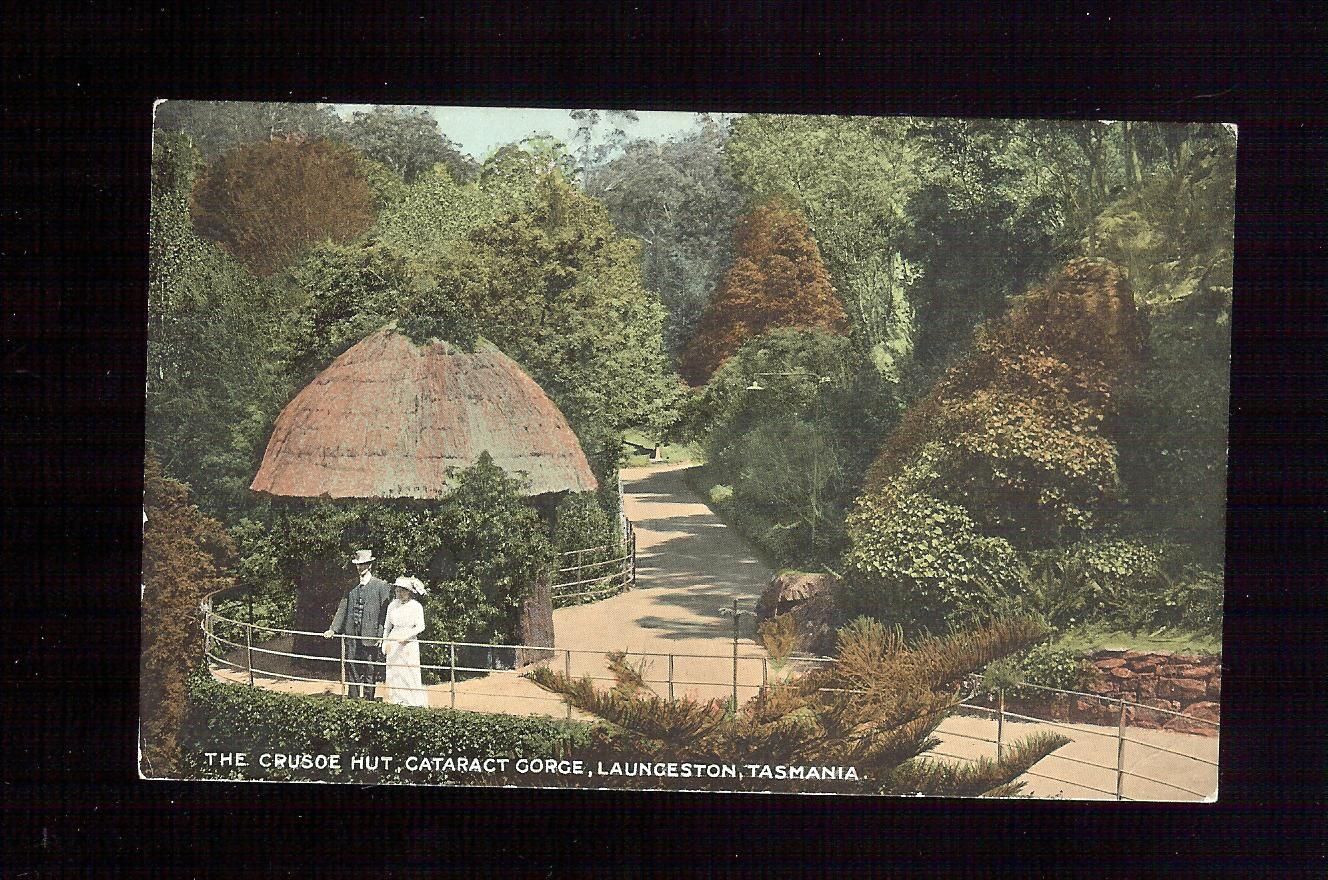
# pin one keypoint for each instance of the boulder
(1122, 673)
(1215, 687)
(1184, 689)
(1198, 672)
(1207, 710)
(787, 590)
(1109, 663)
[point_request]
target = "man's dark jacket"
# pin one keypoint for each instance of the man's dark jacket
(376, 594)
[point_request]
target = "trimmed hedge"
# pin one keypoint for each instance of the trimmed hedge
(233, 718)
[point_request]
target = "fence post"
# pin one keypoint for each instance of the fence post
(670, 677)
(452, 671)
(735, 664)
(1120, 754)
(632, 531)
(567, 673)
(765, 672)
(249, 653)
(1000, 724)
(341, 644)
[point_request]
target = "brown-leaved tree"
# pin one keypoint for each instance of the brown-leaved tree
(267, 202)
(184, 556)
(1008, 453)
(777, 280)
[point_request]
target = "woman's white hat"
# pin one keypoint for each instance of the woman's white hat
(414, 584)
(362, 557)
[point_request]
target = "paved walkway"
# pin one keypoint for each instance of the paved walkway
(689, 565)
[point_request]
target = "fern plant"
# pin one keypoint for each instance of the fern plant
(876, 709)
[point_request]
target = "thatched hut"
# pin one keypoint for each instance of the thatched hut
(389, 418)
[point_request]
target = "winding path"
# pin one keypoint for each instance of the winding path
(689, 566)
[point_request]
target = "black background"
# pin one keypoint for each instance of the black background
(78, 92)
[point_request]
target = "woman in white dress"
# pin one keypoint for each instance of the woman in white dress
(405, 621)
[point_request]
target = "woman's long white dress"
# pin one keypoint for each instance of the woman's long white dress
(405, 621)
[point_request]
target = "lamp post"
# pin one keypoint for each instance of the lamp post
(816, 419)
(736, 614)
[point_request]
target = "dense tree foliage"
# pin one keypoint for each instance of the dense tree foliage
(789, 425)
(407, 141)
(481, 551)
(215, 345)
(679, 199)
(185, 556)
(560, 292)
(1061, 453)
(1006, 453)
(777, 280)
(266, 202)
(1174, 236)
(216, 126)
(852, 179)
(876, 710)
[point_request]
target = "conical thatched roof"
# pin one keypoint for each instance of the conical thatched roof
(388, 418)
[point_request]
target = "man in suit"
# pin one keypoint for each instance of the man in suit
(360, 616)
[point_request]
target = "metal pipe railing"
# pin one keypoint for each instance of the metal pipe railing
(215, 644)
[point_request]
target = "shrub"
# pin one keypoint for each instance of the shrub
(922, 563)
(1052, 667)
(481, 551)
(779, 637)
(1005, 456)
(580, 524)
(794, 449)
(876, 709)
(1132, 584)
(720, 495)
(235, 718)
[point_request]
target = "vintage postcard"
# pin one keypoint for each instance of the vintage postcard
(686, 451)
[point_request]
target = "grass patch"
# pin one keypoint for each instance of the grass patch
(639, 448)
(1087, 639)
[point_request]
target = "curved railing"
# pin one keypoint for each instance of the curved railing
(578, 579)
(474, 673)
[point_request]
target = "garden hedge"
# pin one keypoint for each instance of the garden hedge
(226, 717)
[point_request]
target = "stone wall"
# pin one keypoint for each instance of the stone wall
(1186, 683)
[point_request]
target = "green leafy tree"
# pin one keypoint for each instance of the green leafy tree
(598, 134)
(407, 140)
(790, 424)
(679, 199)
(876, 709)
(560, 292)
(215, 378)
(980, 229)
(266, 203)
(185, 556)
(216, 126)
(777, 280)
(432, 216)
(346, 292)
(1174, 236)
